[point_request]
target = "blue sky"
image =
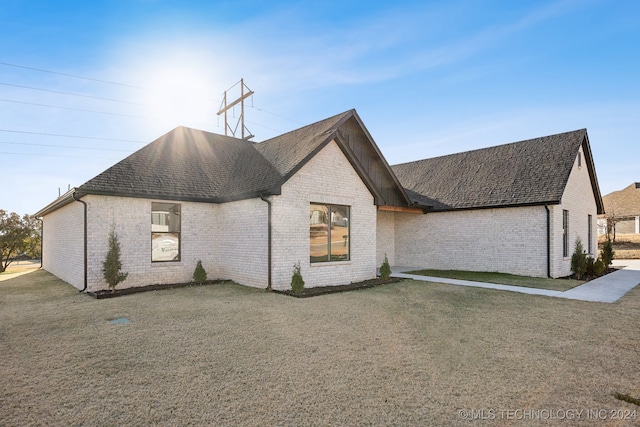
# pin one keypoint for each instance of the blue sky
(428, 78)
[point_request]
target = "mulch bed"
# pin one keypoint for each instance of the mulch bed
(106, 293)
(323, 290)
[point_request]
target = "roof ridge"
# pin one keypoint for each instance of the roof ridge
(344, 113)
(475, 150)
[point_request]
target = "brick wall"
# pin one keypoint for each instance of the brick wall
(63, 244)
(327, 178)
(131, 219)
(579, 200)
(385, 238)
(508, 240)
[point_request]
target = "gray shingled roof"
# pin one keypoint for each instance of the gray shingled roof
(288, 151)
(529, 172)
(188, 164)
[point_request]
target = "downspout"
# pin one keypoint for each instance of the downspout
(268, 202)
(41, 240)
(85, 240)
(548, 241)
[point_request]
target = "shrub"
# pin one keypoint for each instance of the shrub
(599, 268)
(199, 275)
(595, 267)
(607, 254)
(385, 268)
(579, 260)
(111, 267)
(297, 284)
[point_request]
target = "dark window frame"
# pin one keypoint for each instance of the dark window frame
(590, 234)
(346, 239)
(162, 212)
(565, 233)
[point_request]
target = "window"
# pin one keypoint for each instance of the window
(565, 233)
(165, 232)
(590, 234)
(328, 233)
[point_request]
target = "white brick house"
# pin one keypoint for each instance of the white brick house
(323, 196)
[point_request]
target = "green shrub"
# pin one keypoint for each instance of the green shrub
(297, 284)
(199, 275)
(595, 267)
(599, 268)
(607, 254)
(579, 260)
(385, 268)
(112, 265)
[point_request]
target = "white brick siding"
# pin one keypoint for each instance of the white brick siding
(579, 200)
(241, 241)
(507, 240)
(385, 237)
(327, 178)
(63, 244)
(131, 219)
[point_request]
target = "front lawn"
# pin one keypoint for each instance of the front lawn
(503, 279)
(406, 354)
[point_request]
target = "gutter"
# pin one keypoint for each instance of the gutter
(548, 241)
(85, 240)
(269, 249)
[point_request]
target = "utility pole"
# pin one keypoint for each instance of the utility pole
(225, 107)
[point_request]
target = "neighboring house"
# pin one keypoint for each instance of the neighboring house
(323, 195)
(623, 207)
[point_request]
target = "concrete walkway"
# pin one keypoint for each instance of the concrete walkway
(609, 288)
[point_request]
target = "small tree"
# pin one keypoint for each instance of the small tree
(579, 260)
(199, 275)
(111, 267)
(607, 254)
(385, 268)
(297, 283)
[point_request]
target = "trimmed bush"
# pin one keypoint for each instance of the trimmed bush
(297, 283)
(199, 275)
(607, 254)
(385, 268)
(579, 260)
(111, 267)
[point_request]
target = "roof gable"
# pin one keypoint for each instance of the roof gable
(531, 172)
(289, 152)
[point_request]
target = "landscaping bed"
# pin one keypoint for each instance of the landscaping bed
(107, 293)
(323, 290)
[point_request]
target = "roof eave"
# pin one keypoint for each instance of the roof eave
(61, 201)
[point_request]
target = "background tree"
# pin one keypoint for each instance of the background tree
(17, 236)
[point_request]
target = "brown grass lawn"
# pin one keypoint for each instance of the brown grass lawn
(626, 246)
(409, 353)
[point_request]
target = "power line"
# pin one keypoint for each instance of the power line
(73, 136)
(77, 109)
(63, 146)
(56, 155)
(70, 93)
(71, 75)
(277, 115)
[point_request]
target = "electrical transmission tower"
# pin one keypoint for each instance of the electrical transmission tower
(225, 107)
